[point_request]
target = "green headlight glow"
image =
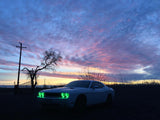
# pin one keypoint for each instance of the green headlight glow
(41, 95)
(64, 95)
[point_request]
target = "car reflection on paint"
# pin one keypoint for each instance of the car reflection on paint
(77, 94)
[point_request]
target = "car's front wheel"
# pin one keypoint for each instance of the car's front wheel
(80, 104)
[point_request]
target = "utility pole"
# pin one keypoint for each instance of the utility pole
(19, 62)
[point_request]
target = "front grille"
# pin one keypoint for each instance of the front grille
(52, 95)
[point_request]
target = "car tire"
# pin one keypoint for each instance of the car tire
(109, 100)
(80, 104)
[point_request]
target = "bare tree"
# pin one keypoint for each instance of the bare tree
(49, 62)
(93, 76)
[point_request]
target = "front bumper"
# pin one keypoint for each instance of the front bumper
(56, 102)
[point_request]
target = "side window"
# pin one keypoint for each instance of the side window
(97, 85)
(100, 85)
(93, 85)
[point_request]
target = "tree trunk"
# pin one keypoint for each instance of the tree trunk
(32, 83)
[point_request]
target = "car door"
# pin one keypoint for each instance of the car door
(97, 93)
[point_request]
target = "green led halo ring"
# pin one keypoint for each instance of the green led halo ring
(64, 95)
(41, 95)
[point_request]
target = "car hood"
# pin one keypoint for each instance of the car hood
(62, 89)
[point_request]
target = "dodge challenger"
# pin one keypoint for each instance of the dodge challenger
(77, 94)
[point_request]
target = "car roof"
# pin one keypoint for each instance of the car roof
(91, 81)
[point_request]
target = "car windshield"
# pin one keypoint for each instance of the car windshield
(83, 84)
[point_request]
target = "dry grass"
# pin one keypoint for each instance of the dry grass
(132, 102)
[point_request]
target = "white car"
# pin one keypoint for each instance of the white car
(77, 94)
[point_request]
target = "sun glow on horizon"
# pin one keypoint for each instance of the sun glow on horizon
(62, 81)
(54, 81)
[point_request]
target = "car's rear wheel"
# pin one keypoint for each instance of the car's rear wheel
(80, 104)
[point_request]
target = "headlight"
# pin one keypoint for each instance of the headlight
(64, 95)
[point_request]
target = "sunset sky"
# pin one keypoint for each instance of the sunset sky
(107, 36)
